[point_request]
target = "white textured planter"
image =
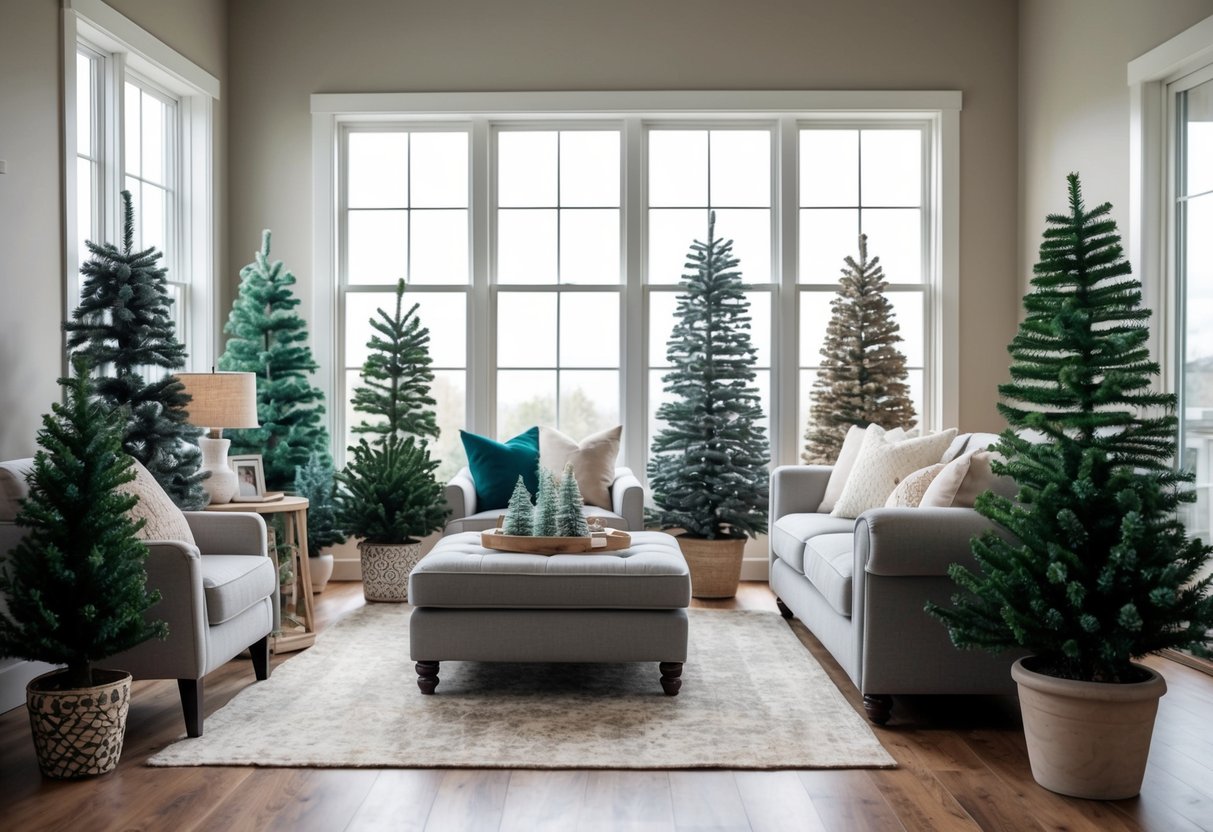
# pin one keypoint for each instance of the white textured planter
(386, 568)
(1088, 739)
(321, 570)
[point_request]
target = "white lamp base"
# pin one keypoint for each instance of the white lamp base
(221, 484)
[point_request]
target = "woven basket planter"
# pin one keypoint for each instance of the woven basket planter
(386, 568)
(715, 565)
(78, 732)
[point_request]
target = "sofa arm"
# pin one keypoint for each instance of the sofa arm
(460, 494)
(627, 499)
(921, 542)
(224, 533)
(797, 489)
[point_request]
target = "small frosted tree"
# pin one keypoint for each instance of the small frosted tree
(519, 513)
(314, 482)
(544, 522)
(570, 522)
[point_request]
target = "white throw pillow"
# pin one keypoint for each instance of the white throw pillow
(963, 479)
(846, 461)
(909, 492)
(882, 465)
(593, 460)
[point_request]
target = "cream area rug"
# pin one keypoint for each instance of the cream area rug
(752, 698)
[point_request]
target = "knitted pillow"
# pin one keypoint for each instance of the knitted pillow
(593, 460)
(164, 520)
(882, 465)
(908, 493)
(846, 461)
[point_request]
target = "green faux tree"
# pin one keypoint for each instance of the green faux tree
(76, 584)
(388, 493)
(570, 522)
(1096, 569)
(396, 376)
(708, 469)
(544, 519)
(519, 513)
(315, 482)
(124, 327)
(862, 379)
(269, 338)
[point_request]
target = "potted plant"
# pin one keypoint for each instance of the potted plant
(708, 466)
(1092, 569)
(77, 585)
(314, 482)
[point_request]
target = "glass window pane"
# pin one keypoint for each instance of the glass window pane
(589, 401)
(154, 221)
(589, 245)
(136, 192)
(525, 398)
(815, 314)
(807, 378)
(589, 168)
(671, 232)
(657, 397)
(526, 168)
(908, 312)
(829, 168)
(915, 380)
(750, 231)
(741, 168)
(895, 236)
(444, 314)
(84, 104)
(1198, 139)
(377, 243)
(760, 326)
(662, 306)
(439, 250)
(827, 236)
(353, 380)
(678, 168)
(449, 392)
(84, 206)
(131, 129)
(526, 329)
(154, 156)
(439, 169)
(589, 329)
(378, 170)
(526, 246)
(891, 163)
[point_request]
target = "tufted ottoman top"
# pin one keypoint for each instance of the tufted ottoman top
(459, 572)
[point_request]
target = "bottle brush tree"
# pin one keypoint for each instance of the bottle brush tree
(1096, 569)
(708, 467)
(269, 338)
(570, 522)
(544, 519)
(862, 379)
(76, 584)
(315, 482)
(124, 328)
(519, 513)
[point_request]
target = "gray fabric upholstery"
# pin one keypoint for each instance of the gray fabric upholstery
(829, 564)
(460, 493)
(797, 489)
(790, 532)
(627, 499)
(836, 632)
(484, 520)
(233, 583)
(461, 573)
(917, 541)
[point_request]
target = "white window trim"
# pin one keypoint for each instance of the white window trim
(129, 45)
(788, 108)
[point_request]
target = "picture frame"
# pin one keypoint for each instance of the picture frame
(250, 478)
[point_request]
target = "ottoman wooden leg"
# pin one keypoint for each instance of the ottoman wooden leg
(879, 707)
(671, 677)
(427, 676)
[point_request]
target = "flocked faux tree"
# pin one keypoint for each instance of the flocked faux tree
(862, 379)
(269, 338)
(708, 467)
(1097, 569)
(314, 482)
(544, 518)
(124, 327)
(570, 521)
(519, 514)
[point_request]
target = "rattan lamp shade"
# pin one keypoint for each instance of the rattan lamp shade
(221, 400)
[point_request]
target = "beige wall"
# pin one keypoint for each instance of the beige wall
(1074, 101)
(283, 50)
(31, 213)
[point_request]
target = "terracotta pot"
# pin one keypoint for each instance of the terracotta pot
(715, 565)
(78, 732)
(1088, 739)
(321, 569)
(386, 568)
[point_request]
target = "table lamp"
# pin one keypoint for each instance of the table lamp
(218, 401)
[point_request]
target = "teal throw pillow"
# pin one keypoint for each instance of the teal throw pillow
(495, 466)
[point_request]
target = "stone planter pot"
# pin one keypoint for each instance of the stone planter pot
(78, 732)
(1088, 739)
(321, 569)
(715, 565)
(386, 568)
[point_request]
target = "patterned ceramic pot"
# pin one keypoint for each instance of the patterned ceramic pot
(386, 568)
(78, 732)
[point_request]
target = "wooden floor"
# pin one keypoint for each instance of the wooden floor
(962, 767)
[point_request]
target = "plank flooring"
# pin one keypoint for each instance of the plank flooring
(963, 767)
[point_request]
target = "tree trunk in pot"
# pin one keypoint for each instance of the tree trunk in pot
(78, 732)
(1088, 739)
(715, 565)
(386, 568)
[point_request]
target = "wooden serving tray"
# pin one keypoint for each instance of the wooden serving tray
(613, 540)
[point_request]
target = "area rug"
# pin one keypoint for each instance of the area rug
(752, 698)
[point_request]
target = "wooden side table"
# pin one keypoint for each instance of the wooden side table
(294, 512)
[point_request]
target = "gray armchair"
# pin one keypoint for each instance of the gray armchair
(627, 504)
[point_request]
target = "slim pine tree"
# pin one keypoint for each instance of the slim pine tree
(519, 513)
(123, 326)
(388, 493)
(570, 522)
(544, 518)
(862, 380)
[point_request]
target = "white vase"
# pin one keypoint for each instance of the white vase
(221, 484)
(321, 569)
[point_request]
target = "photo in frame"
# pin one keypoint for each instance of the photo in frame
(250, 478)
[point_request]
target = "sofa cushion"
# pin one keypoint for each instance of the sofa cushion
(963, 479)
(909, 492)
(790, 533)
(496, 466)
(233, 583)
(593, 460)
(882, 465)
(482, 520)
(162, 519)
(829, 565)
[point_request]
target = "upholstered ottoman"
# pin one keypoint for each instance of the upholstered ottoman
(477, 604)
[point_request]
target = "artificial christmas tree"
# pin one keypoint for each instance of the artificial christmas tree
(1095, 569)
(862, 379)
(123, 326)
(544, 518)
(314, 481)
(519, 513)
(269, 338)
(570, 522)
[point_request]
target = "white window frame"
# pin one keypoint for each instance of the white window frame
(121, 45)
(785, 110)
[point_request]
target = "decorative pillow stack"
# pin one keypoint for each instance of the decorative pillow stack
(593, 460)
(881, 465)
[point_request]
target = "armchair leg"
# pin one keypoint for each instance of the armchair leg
(783, 609)
(191, 704)
(879, 707)
(260, 651)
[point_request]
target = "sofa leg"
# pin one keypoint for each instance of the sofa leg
(671, 677)
(783, 608)
(191, 705)
(427, 676)
(879, 707)
(260, 651)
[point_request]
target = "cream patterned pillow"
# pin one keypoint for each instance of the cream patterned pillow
(846, 461)
(882, 465)
(164, 520)
(908, 493)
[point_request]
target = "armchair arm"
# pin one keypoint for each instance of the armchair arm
(920, 542)
(221, 533)
(460, 493)
(797, 489)
(175, 570)
(627, 498)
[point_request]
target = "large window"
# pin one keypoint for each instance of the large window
(545, 248)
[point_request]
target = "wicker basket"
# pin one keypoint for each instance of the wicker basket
(386, 568)
(715, 565)
(78, 732)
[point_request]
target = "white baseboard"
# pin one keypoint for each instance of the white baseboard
(755, 569)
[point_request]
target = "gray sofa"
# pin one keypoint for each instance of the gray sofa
(860, 587)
